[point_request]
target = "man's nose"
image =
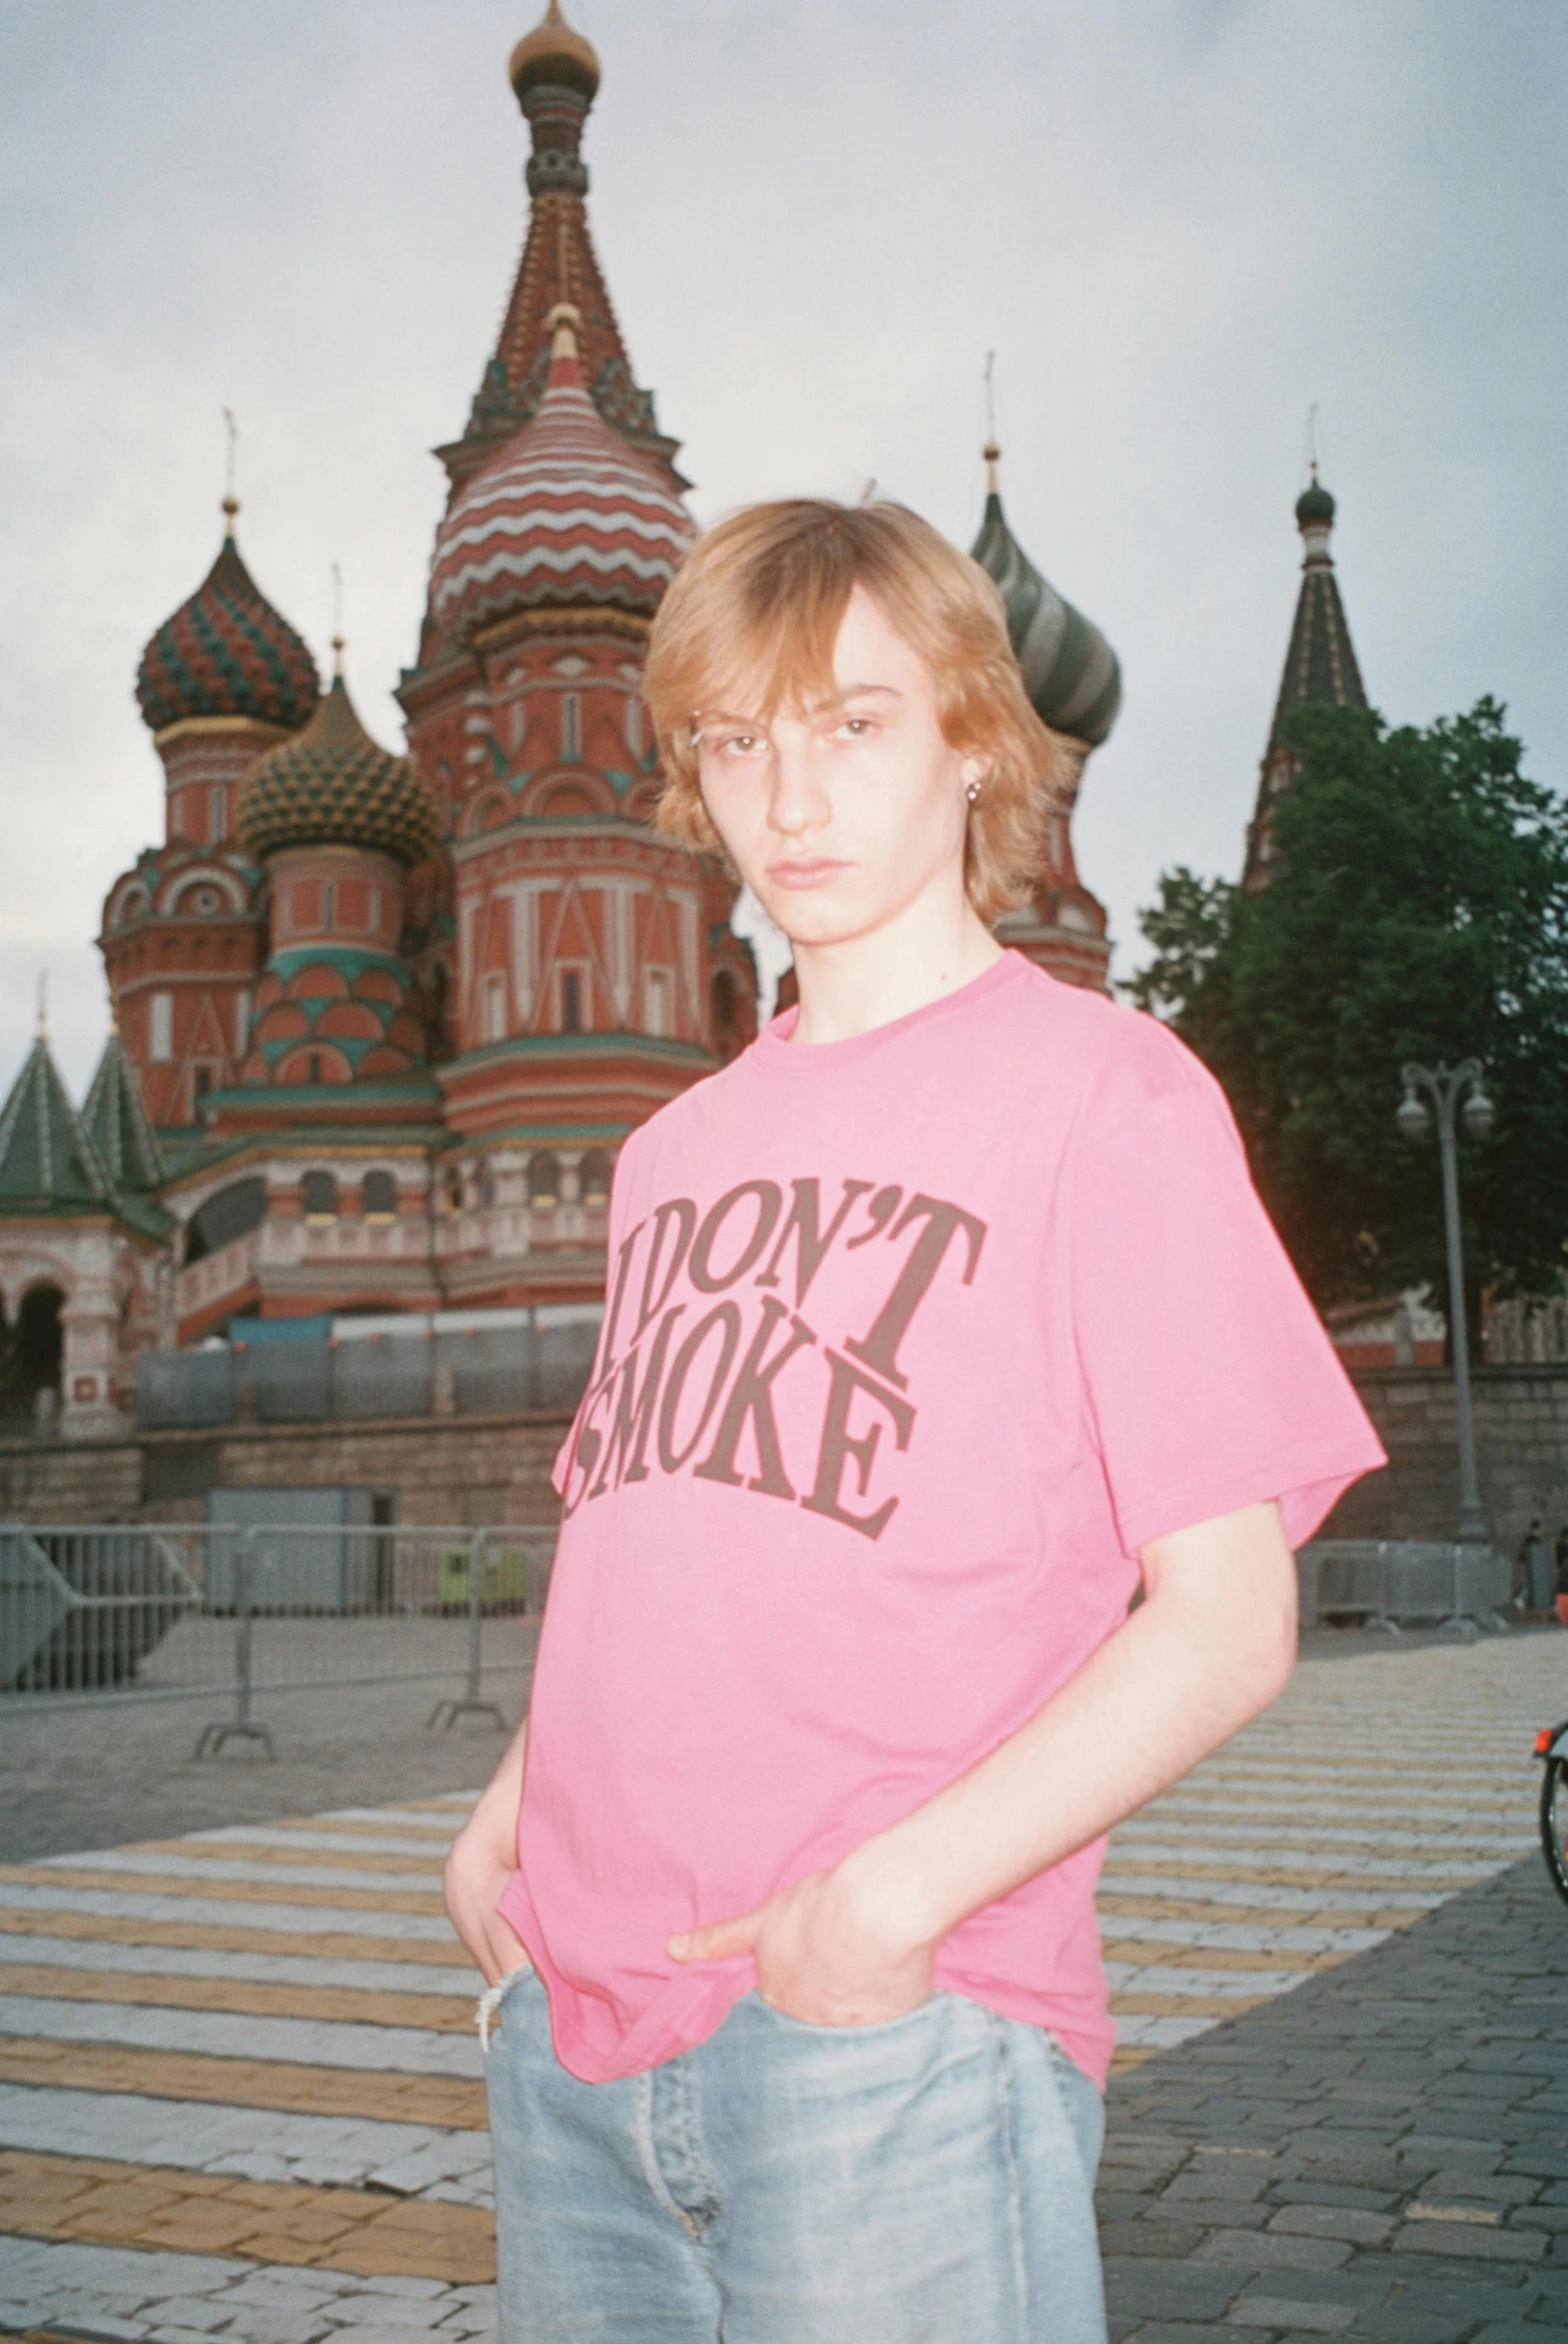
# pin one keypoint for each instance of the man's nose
(798, 801)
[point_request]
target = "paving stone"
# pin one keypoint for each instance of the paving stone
(1373, 2201)
(195, 2315)
(1207, 2182)
(1332, 2221)
(1272, 2250)
(1327, 2319)
(1173, 2332)
(1539, 2217)
(1465, 2238)
(1158, 2289)
(1491, 2188)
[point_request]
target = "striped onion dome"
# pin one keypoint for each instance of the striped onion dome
(333, 786)
(567, 514)
(226, 652)
(1070, 671)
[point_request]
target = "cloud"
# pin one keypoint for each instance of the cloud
(1177, 221)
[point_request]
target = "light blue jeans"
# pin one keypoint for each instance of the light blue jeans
(925, 2181)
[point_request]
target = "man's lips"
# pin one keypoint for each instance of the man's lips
(805, 871)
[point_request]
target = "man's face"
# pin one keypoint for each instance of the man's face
(843, 816)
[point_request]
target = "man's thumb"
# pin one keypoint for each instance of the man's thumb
(721, 1941)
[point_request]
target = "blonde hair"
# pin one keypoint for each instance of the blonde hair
(755, 611)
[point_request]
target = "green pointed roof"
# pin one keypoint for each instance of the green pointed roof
(117, 1125)
(47, 1161)
(1071, 672)
(1321, 668)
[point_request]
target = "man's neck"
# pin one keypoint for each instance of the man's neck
(850, 988)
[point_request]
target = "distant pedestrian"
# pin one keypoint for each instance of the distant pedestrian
(1537, 1569)
(1561, 1559)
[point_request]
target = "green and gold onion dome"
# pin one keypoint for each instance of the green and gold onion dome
(1071, 672)
(553, 53)
(333, 786)
(226, 652)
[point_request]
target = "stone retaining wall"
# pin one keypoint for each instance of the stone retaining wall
(1521, 1435)
(485, 1469)
(476, 1470)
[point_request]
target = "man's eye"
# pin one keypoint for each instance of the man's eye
(859, 728)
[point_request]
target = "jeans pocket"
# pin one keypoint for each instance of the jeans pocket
(487, 2009)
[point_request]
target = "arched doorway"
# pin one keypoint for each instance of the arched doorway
(31, 1350)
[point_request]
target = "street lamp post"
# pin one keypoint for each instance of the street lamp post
(1447, 1087)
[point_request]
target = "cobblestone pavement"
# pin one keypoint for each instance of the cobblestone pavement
(1382, 2155)
(240, 2094)
(95, 1777)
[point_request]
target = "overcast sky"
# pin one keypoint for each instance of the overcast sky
(1179, 223)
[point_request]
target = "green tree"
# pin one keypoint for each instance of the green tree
(1418, 908)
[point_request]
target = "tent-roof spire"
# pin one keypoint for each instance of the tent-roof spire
(554, 74)
(1321, 668)
(48, 1164)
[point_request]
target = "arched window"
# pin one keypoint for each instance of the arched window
(593, 1177)
(543, 1178)
(379, 1197)
(232, 1213)
(319, 1195)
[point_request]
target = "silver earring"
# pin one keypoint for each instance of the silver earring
(972, 792)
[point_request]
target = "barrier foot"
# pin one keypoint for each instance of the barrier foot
(447, 1713)
(1494, 1622)
(212, 1738)
(1379, 1624)
(1457, 1624)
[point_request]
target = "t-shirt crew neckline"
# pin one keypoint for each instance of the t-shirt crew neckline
(773, 1052)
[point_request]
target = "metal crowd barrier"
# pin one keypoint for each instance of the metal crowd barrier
(1391, 1583)
(105, 1613)
(461, 1372)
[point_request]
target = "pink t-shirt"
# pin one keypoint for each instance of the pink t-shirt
(910, 1343)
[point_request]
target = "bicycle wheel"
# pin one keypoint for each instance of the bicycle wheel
(1554, 1822)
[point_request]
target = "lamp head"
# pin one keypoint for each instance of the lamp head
(1415, 1123)
(1480, 1114)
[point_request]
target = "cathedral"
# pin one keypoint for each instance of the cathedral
(380, 1021)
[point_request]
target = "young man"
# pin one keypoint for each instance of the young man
(940, 1326)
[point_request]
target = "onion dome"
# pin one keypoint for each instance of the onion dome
(1314, 507)
(567, 514)
(226, 652)
(1071, 672)
(553, 53)
(333, 786)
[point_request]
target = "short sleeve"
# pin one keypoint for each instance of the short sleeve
(1209, 1381)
